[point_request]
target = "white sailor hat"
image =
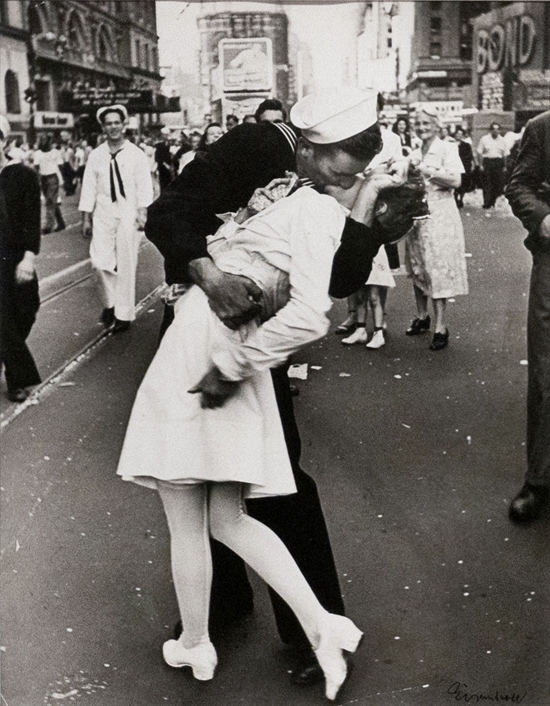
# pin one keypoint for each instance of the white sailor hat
(117, 108)
(165, 131)
(332, 115)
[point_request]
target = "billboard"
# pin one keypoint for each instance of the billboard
(246, 64)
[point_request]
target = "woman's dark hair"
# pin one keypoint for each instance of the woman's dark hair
(407, 132)
(203, 147)
(364, 145)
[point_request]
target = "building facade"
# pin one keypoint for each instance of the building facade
(511, 66)
(81, 55)
(14, 74)
(244, 58)
(441, 55)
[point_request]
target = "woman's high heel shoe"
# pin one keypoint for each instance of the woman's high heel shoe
(338, 635)
(202, 658)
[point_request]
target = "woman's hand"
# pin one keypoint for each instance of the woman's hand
(215, 391)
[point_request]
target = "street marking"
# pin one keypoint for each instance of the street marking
(64, 273)
(41, 391)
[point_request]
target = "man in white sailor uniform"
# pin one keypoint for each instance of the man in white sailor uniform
(116, 190)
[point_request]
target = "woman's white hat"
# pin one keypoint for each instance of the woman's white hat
(112, 108)
(332, 115)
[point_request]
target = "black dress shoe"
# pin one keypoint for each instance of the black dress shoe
(107, 317)
(18, 395)
(418, 326)
(61, 226)
(308, 670)
(528, 503)
(440, 341)
(121, 325)
(46, 231)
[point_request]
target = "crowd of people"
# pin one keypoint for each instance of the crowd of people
(212, 428)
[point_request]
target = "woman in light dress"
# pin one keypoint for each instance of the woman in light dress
(208, 438)
(434, 248)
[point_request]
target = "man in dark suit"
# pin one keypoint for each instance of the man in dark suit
(528, 192)
(19, 297)
(248, 157)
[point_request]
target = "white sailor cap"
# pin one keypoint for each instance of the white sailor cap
(165, 131)
(332, 115)
(117, 108)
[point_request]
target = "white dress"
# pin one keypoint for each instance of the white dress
(434, 247)
(287, 249)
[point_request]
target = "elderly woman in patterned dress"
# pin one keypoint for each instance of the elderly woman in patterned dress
(435, 257)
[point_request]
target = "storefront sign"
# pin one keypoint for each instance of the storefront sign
(246, 64)
(511, 43)
(54, 121)
(88, 100)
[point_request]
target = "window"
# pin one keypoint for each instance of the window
(146, 52)
(435, 50)
(11, 91)
(389, 42)
(435, 25)
(138, 53)
(15, 13)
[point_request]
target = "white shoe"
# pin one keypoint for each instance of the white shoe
(202, 658)
(358, 336)
(338, 634)
(377, 341)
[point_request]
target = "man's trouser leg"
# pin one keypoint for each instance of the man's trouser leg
(538, 390)
(127, 247)
(299, 521)
(19, 304)
(103, 257)
(114, 254)
(50, 190)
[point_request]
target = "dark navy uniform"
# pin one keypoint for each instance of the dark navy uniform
(223, 180)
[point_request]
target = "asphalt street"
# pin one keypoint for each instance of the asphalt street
(417, 455)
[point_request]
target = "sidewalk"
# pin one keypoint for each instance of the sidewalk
(416, 454)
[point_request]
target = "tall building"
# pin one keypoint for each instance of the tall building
(441, 54)
(511, 65)
(84, 54)
(244, 56)
(377, 57)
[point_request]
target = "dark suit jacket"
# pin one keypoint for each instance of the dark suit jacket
(528, 190)
(223, 179)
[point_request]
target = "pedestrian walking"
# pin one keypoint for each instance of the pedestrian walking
(205, 455)
(528, 192)
(434, 248)
(466, 155)
(116, 189)
(19, 246)
(247, 157)
(47, 161)
(163, 158)
(492, 151)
